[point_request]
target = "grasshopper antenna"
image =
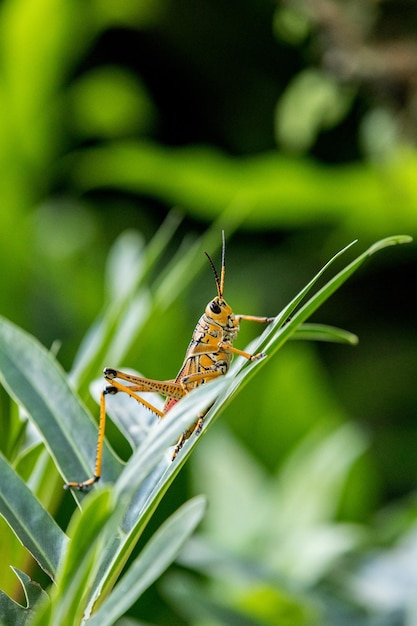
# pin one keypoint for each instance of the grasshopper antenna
(216, 276)
(219, 280)
(223, 264)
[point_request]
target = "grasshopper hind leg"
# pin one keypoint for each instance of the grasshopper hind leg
(86, 485)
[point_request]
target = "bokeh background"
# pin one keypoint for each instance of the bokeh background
(293, 126)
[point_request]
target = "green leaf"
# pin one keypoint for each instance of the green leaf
(128, 265)
(304, 540)
(154, 559)
(14, 614)
(293, 315)
(84, 528)
(332, 285)
(36, 381)
(28, 458)
(286, 323)
(276, 190)
(196, 606)
(89, 530)
(32, 524)
(323, 332)
(145, 479)
(96, 558)
(164, 434)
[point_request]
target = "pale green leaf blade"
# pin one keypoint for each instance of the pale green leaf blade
(289, 320)
(31, 523)
(164, 434)
(84, 528)
(147, 476)
(127, 258)
(294, 314)
(154, 559)
(303, 313)
(284, 319)
(323, 332)
(37, 383)
(196, 606)
(89, 530)
(14, 614)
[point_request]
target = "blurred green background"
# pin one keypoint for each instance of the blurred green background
(290, 124)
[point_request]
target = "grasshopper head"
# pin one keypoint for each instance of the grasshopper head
(218, 310)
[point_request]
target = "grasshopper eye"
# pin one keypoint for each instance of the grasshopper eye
(214, 307)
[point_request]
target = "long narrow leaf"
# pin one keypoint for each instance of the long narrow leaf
(325, 292)
(146, 457)
(129, 264)
(31, 523)
(14, 614)
(157, 555)
(36, 381)
(83, 530)
(291, 318)
(89, 530)
(323, 332)
(146, 478)
(287, 323)
(165, 434)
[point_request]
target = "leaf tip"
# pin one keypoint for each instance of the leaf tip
(389, 241)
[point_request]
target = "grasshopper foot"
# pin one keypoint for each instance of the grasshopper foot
(84, 486)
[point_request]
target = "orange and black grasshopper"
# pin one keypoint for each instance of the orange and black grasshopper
(208, 356)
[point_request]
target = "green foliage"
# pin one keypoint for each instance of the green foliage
(88, 559)
(294, 127)
(271, 190)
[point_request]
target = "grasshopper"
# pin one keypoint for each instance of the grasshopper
(208, 356)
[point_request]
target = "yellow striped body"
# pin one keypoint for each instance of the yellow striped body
(205, 358)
